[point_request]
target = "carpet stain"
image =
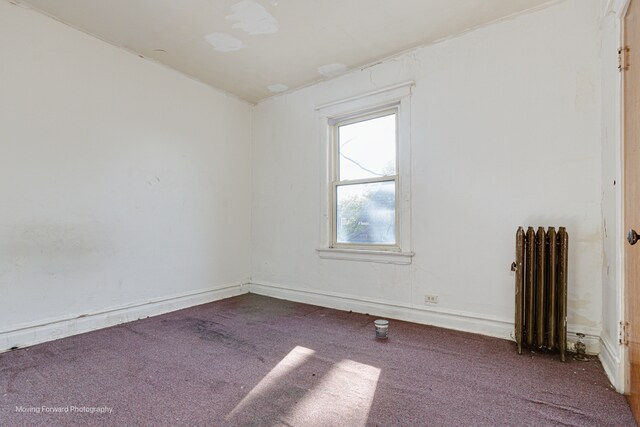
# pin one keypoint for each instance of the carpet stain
(217, 386)
(215, 332)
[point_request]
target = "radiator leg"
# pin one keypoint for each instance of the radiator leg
(562, 291)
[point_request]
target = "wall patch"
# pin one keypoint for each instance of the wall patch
(331, 70)
(278, 87)
(224, 42)
(252, 18)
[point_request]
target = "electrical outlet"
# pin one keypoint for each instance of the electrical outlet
(431, 299)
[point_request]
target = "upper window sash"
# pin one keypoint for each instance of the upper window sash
(358, 118)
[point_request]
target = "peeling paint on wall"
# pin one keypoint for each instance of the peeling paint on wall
(330, 70)
(252, 18)
(224, 42)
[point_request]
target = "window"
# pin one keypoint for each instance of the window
(365, 180)
(366, 163)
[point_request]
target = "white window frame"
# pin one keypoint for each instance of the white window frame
(336, 182)
(352, 110)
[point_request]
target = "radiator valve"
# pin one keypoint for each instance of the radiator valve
(581, 349)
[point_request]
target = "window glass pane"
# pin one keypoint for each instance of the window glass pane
(367, 149)
(366, 213)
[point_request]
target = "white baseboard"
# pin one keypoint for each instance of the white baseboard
(611, 362)
(450, 319)
(37, 332)
(51, 329)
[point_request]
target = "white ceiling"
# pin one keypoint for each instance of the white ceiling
(255, 48)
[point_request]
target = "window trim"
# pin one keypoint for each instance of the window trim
(395, 97)
(335, 123)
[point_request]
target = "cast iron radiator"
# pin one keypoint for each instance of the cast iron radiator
(541, 289)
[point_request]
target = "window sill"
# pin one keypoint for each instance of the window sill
(366, 255)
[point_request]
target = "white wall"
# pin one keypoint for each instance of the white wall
(121, 182)
(506, 127)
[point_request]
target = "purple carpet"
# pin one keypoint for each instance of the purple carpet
(258, 361)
